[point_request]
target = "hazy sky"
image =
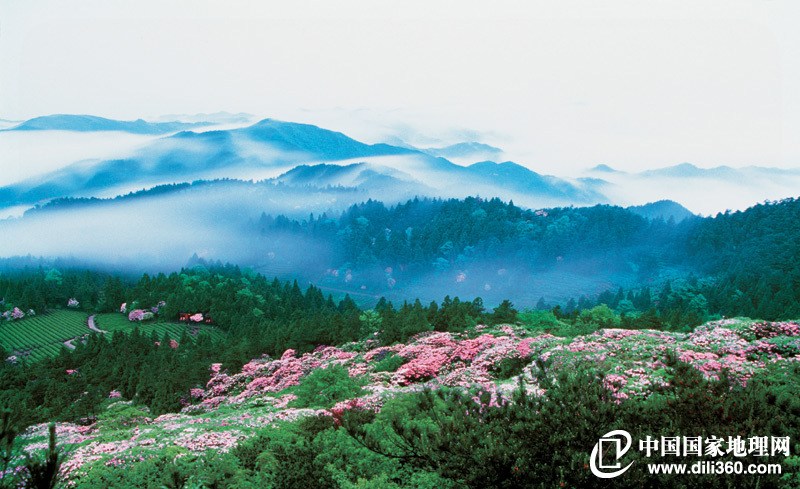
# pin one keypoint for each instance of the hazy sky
(561, 85)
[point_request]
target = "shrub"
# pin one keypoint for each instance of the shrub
(390, 363)
(545, 441)
(537, 321)
(510, 367)
(123, 414)
(44, 473)
(325, 387)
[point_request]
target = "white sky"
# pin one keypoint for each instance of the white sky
(561, 85)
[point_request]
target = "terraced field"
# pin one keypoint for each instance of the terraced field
(38, 337)
(42, 336)
(112, 322)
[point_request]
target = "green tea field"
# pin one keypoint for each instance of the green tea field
(38, 337)
(113, 322)
(41, 336)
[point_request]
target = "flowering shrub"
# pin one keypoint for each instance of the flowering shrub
(279, 375)
(196, 317)
(140, 315)
(283, 401)
(200, 442)
(17, 313)
(357, 404)
(196, 393)
(421, 368)
(771, 330)
(157, 307)
(136, 315)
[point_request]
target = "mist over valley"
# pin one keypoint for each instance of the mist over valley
(286, 199)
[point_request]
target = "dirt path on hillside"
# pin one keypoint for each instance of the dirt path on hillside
(90, 323)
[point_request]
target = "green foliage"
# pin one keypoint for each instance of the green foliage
(123, 414)
(170, 469)
(510, 367)
(504, 314)
(370, 323)
(540, 321)
(315, 452)
(324, 387)
(544, 441)
(570, 326)
(44, 473)
(7, 435)
(285, 456)
(390, 363)
(600, 316)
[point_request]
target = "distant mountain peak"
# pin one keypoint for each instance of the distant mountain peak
(685, 170)
(314, 140)
(220, 117)
(91, 123)
(465, 150)
(602, 167)
(469, 145)
(662, 209)
(490, 163)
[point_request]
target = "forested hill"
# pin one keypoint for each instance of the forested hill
(446, 233)
(756, 253)
(428, 248)
(741, 263)
(753, 256)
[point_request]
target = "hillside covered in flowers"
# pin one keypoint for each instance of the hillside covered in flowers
(307, 413)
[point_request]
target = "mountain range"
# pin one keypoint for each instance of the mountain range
(294, 154)
(90, 123)
(310, 157)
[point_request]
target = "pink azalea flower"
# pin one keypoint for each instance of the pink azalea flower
(136, 315)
